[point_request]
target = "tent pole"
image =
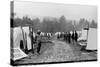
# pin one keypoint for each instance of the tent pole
(87, 32)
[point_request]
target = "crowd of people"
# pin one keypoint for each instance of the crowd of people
(68, 36)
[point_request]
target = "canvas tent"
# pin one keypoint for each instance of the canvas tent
(18, 34)
(92, 39)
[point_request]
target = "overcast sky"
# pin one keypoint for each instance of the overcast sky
(73, 12)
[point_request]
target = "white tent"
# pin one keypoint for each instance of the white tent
(17, 36)
(92, 39)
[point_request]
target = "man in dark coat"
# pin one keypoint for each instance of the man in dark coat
(76, 36)
(38, 42)
(73, 36)
(69, 37)
(66, 36)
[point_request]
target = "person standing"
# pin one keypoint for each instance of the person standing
(69, 37)
(66, 36)
(73, 36)
(76, 36)
(38, 32)
(38, 40)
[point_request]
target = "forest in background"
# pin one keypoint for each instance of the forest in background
(51, 24)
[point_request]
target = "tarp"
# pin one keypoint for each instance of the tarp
(18, 54)
(92, 39)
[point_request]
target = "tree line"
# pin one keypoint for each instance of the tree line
(49, 24)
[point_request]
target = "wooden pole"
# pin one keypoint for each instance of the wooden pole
(87, 32)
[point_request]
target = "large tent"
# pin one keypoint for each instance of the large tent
(92, 39)
(17, 36)
(20, 33)
(88, 38)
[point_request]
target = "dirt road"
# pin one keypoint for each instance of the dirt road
(56, 51)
